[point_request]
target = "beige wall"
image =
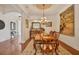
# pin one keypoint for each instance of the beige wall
(25, 31)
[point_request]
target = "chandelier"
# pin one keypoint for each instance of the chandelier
(43, 19)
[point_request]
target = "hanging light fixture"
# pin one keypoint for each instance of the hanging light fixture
(43, 19)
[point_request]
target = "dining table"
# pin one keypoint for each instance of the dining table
(44, 39)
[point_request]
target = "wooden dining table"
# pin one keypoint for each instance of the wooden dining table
(48, 38)
(44, 39)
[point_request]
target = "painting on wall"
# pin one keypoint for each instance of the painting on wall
(49, 24)
(67, 21)
(27, 23)
(36, 25)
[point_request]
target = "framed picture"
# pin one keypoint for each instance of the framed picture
(12, 26)
(36, 25)
(27, 23)
(67, 21)
(49, 24)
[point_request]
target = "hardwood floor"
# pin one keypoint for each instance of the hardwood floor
(9, 47)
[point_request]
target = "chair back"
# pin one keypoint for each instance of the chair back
(55, 34)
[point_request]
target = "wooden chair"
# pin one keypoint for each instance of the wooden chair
(51, 46)
(37, 40)
(56, 35)
(46, 49)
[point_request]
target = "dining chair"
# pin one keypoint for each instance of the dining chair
(51, 46)
(37, 41)
(56, 35)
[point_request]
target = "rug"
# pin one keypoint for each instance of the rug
(29, 50)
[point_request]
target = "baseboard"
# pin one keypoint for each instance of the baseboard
(69, 48)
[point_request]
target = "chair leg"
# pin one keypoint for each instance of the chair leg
(41, 50)
(56, 50)
(35, 51)
(52, 52)
(34, 45)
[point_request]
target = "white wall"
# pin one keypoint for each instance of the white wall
(24, 30)
(71, 41)
(7, 18)
(49, 19)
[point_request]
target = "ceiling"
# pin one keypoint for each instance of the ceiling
(37, 9)
(33, 9)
